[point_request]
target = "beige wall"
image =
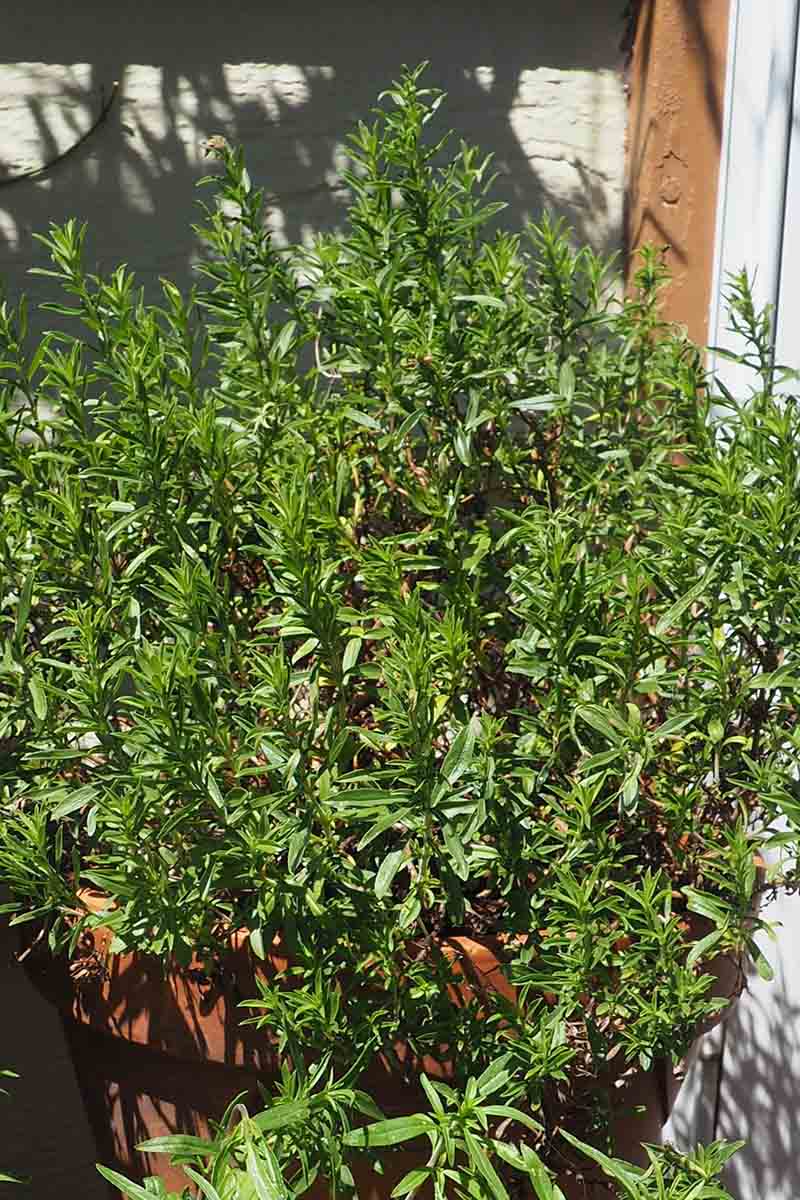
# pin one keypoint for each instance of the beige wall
(537, 84)
(677, 82)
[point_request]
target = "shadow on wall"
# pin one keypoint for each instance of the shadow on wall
(537, 84)
(757, 1096)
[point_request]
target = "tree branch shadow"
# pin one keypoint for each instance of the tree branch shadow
(186, 74)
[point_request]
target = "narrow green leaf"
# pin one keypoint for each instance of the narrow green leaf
(388, 1133)
(543, 403)
(139, 559)
(674, 613)
(297, 847)
(412, 1181)
(480, 1160)
(615, 1168)
(382, 824)
(566, 381)
(463, 444)
(455, 849)
(306, 648)
(673, 725)
(459, 756)
(782, 678)
(362, 418)
(716, 730)
(73, 801)
(267, 1184)
(523, 1158)
(434, 1099)
(495, 1076)
(701, 948)
(132, 1190)
(510, 1154)
(705, 906)
(630, 792)
(288, 1112)
(482, 300)
(371, 797)
(350, 656)
(208, 1189)
(123, 522)
(366, 1105)
(387, 871)
(513, 1114)
(600, 720)
(214, 791)
(23, 608)
(177, 1144)
(284, 340)
(761, 961)
(38, 695)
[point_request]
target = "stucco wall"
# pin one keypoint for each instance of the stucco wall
(537, 84)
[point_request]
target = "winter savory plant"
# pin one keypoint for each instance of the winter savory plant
(406, 586)
(4, 1176)
(255, 1158)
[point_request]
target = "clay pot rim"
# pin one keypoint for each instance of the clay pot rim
(486, 955)
(477, 972)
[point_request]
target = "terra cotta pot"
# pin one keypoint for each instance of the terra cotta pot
(164, 1051)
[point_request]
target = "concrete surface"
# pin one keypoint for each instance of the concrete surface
(44, 1131)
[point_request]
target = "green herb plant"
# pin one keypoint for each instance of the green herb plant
(408, 586)
(4, 1176)
(267, 1157)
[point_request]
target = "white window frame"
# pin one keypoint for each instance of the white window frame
(759, 177)
(757, 228)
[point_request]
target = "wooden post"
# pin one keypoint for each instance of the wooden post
(677, 87)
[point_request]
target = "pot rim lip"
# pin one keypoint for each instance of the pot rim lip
(96, 903)
(476, 961)
(482, 955)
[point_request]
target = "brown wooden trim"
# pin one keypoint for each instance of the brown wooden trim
(677, 88)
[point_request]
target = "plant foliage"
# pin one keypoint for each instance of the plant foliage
(410, 586)
(267, 1157)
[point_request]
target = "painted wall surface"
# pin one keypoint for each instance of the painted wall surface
(539, 85)
(677, 83)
